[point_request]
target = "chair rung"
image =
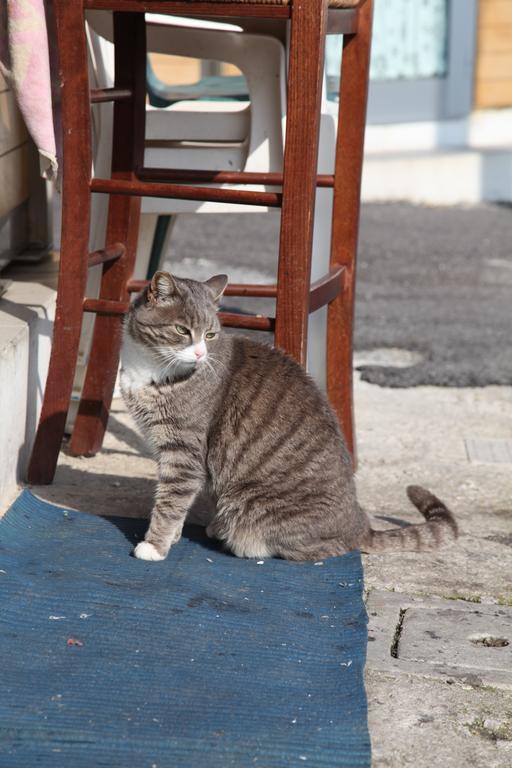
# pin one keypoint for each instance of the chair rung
(135, 286)
(251, 322)
(322, 292)
(229, 319)
(251, 289)
(100, 95)
(233, 289)
(183, 192)
(221, 177)
(326, 289)
(112, 253)
(106, 306)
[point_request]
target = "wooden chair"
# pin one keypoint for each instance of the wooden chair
(295, 297)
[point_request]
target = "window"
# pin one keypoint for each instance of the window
(422, 60)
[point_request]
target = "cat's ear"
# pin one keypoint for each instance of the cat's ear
(217, 285)
(163, 287)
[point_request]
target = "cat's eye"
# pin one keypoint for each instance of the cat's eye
(182, 330)
(210, 335)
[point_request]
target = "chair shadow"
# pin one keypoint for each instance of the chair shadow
(125, 502)
(127, 435)
(99, 493)
(197, 534)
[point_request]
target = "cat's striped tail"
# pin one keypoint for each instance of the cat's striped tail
(440, 527)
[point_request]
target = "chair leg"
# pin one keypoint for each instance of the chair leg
(305, 73)
(74, 242)
(164, 226)
(345, 225)
(123, 226)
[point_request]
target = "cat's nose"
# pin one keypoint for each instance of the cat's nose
(200, 350)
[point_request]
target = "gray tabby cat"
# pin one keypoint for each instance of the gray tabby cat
(244, 421)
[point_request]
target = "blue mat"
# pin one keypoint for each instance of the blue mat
(203, 661)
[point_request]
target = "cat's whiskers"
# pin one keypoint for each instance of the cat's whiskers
(215, 361)
(165, 352)
(168, 360)
(172, 363)
(210, 367)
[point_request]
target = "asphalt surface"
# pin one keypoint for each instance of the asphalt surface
(432, 282)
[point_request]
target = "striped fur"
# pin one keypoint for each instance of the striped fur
(246, 424)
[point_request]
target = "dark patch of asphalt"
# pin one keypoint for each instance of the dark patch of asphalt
(437, 281)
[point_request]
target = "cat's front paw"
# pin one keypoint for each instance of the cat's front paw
(147, 551)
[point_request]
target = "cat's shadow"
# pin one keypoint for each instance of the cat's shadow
(134, 529)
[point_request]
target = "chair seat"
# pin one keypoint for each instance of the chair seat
(332, 3)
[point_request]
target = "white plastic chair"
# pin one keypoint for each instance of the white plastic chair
(209, 135)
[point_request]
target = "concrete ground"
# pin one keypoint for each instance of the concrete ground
(440, 653)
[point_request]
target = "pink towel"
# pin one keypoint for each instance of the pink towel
(24, 62)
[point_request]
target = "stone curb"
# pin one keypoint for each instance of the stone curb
(440, 639)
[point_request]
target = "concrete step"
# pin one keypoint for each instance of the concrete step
(465, 176)
(447, 162)
(27, 310)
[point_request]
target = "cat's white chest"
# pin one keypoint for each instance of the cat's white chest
(139, 368)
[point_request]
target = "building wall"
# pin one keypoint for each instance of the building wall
(14, 152)
(493, 71)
